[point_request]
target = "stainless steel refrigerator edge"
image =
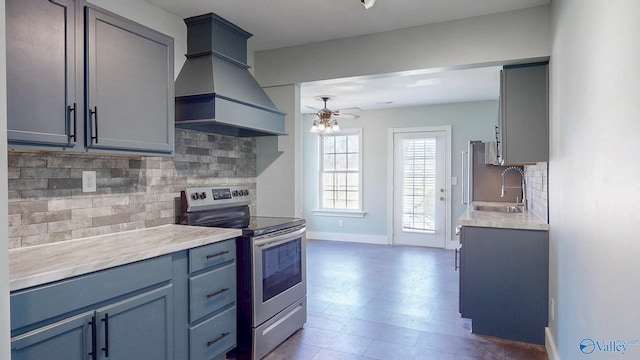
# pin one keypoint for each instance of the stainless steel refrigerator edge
(483, 181)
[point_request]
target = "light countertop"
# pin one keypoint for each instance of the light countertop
(36, 265)
(525, 220)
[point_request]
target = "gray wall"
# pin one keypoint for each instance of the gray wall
(469, 121)
(4, 256)
(594, 191)
(495, 38)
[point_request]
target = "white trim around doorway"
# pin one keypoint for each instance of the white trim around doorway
(390, 176)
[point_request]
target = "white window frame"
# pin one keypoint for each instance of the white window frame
(320, 211)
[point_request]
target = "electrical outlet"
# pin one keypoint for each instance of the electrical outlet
(88, 181)
(553, 310)
(340, 223)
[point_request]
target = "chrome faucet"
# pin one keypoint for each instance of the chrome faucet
(523, 185)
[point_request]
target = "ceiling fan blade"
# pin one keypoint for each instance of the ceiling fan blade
(347, 116)
(350, 110)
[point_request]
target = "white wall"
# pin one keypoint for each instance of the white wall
(594, 186)
(485, 40)
(469, 121)
(4, 191)
(495, 38)
(154, 17)
(278, 185)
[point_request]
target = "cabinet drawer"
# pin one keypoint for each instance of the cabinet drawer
(212, 255)
(213, 337)
(44, 302)
(211, 291)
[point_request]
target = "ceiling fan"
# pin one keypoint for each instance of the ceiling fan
(327, 120)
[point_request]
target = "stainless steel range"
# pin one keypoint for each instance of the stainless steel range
(271, 266)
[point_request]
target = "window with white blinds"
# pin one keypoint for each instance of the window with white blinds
(419, 185)
(340, 176)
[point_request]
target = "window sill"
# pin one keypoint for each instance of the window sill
(340, 213)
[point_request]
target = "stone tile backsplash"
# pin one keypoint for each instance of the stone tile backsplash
(46, 202)
(537, 180)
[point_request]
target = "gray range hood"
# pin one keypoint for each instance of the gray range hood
(214, 91)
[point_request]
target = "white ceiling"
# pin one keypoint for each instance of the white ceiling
(282, 23)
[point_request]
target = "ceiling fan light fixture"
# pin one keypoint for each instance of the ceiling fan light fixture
(367, 3)
(325, 123)
(314, 127)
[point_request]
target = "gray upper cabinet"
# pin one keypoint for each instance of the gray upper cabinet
(129, 85)
(524, 114)
(42, 73)
(83, 79)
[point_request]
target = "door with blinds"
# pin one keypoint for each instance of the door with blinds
(419, 191)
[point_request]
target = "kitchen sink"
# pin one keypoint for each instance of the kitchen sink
(498, 208)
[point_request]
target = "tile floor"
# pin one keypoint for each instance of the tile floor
(388, 302)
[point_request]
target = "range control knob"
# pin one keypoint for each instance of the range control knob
(235, 192)
(203, 195)
(194, 196)
(245, 192)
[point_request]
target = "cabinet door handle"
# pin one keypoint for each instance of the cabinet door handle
(106, 335)
(455, 262)
(94, 345)
(210, 295)
(464, 156)
(217, 254)
(75, 122)
(94, 114)
(222, 336)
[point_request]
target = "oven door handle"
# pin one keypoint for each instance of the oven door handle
(270, 241)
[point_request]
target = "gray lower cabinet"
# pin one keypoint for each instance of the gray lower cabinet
(121, 313)
(67, 339)
(212, 300)
(61, 52)
(140, 327)
(504, 282)
(524, 114)
(179, 306)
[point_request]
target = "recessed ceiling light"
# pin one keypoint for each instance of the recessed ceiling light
(384, 102)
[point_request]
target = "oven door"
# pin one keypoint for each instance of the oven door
(279, 268)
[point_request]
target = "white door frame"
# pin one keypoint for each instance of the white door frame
(390, 178)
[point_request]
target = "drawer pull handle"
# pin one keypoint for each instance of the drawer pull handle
(211, 342)
(217, 254)
(210, 295)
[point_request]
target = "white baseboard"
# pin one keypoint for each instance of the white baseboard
(550, 344)
(365, 239)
